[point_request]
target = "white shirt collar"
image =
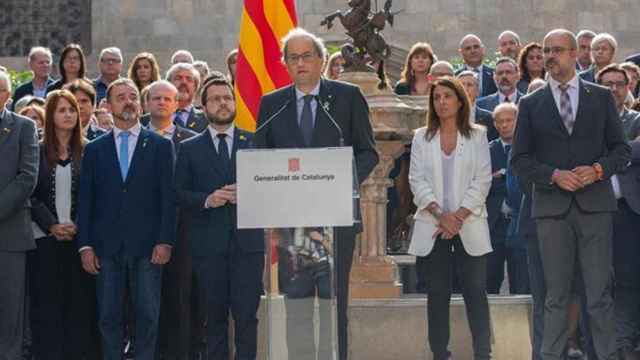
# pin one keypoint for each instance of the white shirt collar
(214, 133)
(512, 98)
(573, 83)
(315, 91)
(187, 109)
(134, 131)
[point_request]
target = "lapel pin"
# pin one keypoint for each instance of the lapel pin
(144, 142)
(192, 125)
(241, 137)
(6, 130)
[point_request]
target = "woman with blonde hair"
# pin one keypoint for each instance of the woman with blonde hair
(143, 70)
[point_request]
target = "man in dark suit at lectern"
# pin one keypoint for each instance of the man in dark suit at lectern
(302, 115)
(568, 142)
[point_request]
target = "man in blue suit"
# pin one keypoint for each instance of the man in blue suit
(506, 76)
(472, 51)
(478, 115)
(228, 262)
(127, 220)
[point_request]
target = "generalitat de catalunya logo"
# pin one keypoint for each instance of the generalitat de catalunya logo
(294, 164)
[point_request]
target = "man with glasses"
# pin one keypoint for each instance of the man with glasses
(472, 51)
(616, 78)
(297, 116)
(506, 76)
(568, 142)
(110, 65)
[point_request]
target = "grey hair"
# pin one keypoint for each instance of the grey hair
(605, 37)
(469, 36)
(470, 73)
(111, 50)
(181, 52)
(535, 84)
(183, 66)
(39, 50)
(510, 33)
(586, 34)
(318, 43)
(4, 77)
(505, 107)
(566, 33)
(442, 63)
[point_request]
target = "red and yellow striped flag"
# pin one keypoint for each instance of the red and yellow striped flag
(259, 69)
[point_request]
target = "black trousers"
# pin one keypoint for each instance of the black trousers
(473, 272)
(345, 241)
(63, 314)
(232, 283)
(12, 280)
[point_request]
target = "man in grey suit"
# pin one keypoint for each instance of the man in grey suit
(616, 78)
(568, 143)
(18, 174)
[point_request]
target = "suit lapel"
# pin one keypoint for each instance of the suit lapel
(138, 154)
(324, 128)
(113, 154)
(239, 142)
(7, 127)
(212, 153)
(583, 104)
(554, 113)
(191, 120)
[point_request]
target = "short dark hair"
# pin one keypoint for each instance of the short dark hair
(122, 81)
(84, 86)
(506, 59)
(612, 68)
(211, 82)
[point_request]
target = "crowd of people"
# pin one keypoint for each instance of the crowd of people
(118, 201)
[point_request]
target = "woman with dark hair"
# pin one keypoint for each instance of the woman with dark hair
(72, 65)
(450, 177)
(62, 293)
(531, 65)
(144, 70)
(414, 78)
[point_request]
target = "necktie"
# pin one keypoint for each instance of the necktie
(124, 154)
(223, 150)
(506, 99)
(306, 121)
(507, 150)
(566, 113)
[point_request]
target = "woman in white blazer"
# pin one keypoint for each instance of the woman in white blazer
(450, 176)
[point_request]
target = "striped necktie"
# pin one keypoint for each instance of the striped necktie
(566, 112)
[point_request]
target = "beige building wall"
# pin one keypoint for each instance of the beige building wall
(209, 28)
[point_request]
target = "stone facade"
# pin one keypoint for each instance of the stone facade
(210, 27)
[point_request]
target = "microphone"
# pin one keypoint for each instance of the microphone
(272, 117)
(333, 121)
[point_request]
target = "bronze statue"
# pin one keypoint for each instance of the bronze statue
(364, 27)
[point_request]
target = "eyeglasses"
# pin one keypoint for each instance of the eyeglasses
(618, 84)
(110, 61)
(555, 50)
(306, 58)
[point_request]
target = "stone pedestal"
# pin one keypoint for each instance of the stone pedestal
(374, 273)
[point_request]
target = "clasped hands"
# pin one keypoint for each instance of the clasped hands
(572, 180)
(222, 196)
(63, 232)
(449, 224)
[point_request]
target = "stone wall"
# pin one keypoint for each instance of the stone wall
(210, 27)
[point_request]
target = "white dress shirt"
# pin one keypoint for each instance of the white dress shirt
(134, 133)
(573, 91)
(63, 193)
(479, 72)
(229, 139)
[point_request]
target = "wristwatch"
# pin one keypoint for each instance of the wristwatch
(598, 169)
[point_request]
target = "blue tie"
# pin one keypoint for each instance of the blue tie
(306, 121)
(124, 154)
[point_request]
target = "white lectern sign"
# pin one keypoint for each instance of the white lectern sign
(285, 188)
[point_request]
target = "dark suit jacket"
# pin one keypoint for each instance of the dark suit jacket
(488, 85)
(542, 144)
(179, 135)
(94, 134)
(199, 172)
(498, 190)
(43, 210)
(197, 121)
(26, 89)
(589, 74)
(490, 102)
(485, 118)
(635, 58)
(629, 179)
(345, 103)
(18, 175)
(127, 217)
